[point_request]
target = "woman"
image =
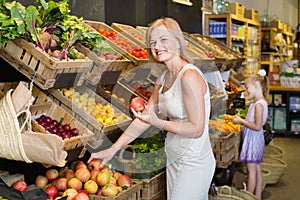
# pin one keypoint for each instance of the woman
(182, 94)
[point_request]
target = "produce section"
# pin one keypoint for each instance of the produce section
(85, 102)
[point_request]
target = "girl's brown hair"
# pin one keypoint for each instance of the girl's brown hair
(175, 31)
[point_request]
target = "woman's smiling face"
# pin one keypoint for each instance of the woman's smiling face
(164, 46)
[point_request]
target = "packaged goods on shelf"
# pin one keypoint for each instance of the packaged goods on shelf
(46, 71)
(125, 46)
(251, 14)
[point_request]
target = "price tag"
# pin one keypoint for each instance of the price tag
(238, 103)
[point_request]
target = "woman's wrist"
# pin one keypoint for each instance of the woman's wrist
(159, 123)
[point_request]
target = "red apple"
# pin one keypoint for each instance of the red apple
(116, 175)
(20, 185)
(137, 103)
(70, 173)
(62, 184)
(74, 183)
(79, 164)
(83, 174)
(52, 174)
(82, 191)
(124, 181)
(51, 191)
(82, 196)
(94, 174)
(41, 181)
(91, 186)
(94, 164)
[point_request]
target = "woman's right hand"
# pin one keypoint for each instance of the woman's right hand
(105, 155)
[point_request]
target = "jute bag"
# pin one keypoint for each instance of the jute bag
(19, 142)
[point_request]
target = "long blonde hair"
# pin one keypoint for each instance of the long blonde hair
(263, 80)
(175, 31)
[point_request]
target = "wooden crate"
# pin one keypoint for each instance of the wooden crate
(132, 193)
(225, 158)
(237, 9)
(101, 25)
(89, 121)
(277, 24)
(131, 33)
(101, 65)
(155, 187)
(251, 14)
(50, 73)
(56, 112)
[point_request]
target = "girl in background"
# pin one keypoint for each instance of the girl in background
(252, 150)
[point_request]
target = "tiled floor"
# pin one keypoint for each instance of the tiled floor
(288, 186)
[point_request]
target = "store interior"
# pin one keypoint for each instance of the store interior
(227, 40)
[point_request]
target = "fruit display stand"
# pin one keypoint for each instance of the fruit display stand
(98, 126)
(131, 33)
(44, 69)
(75, 146)
(133, 193)
(121, 43)
(101, 65)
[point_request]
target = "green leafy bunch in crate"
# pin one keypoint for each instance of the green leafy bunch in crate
(150, 154)
(49, 26)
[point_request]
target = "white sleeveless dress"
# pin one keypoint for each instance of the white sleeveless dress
(190, 161)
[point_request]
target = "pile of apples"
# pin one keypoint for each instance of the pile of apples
(145, 90)
(54, 127)
(82, 179)
(125, 44)
(105, 114)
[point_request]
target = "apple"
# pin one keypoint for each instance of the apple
(94, 174)
(99, 192)
(108, 170)
(62, 184)
(113, 180)
(71, 193)
(51, 191)
(82, 196)
(20, 185)
(90, 186)
(69, 174)
(74, 183)
(124, 181)
(82, 191)
(94, 164)
(103, 178)
(41, 181)
(116, 175)
(137, 103)
(110, 190)
(78, 164)
(52, 174)
(83, 174)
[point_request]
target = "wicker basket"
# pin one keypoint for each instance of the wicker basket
(273, 151)
(275, 166)
(224, 197)
(238, 193)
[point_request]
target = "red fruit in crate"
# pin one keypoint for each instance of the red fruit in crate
(71, 193)
(70, 174)
(74, 183)
(94, 174)
(116, 175)
(124, 181)
(83, 191)
(67, 127)
(20, 185)
(48, 120)
(110, 190)
(41, 181)
(51, 191)
(82, 196)
(55, 122)
(62, 184)
(79, 164)
(52, 174)
(94, 164)
(83, 174)
(138, 104)
(74, 131)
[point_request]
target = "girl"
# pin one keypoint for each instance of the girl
(182, 94)
(253, 143)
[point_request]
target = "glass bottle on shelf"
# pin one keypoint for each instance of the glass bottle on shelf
(265, 19)
(221, 6)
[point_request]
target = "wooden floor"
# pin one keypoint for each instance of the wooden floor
(288, 186)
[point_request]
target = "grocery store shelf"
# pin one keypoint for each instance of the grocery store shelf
(184, 2)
